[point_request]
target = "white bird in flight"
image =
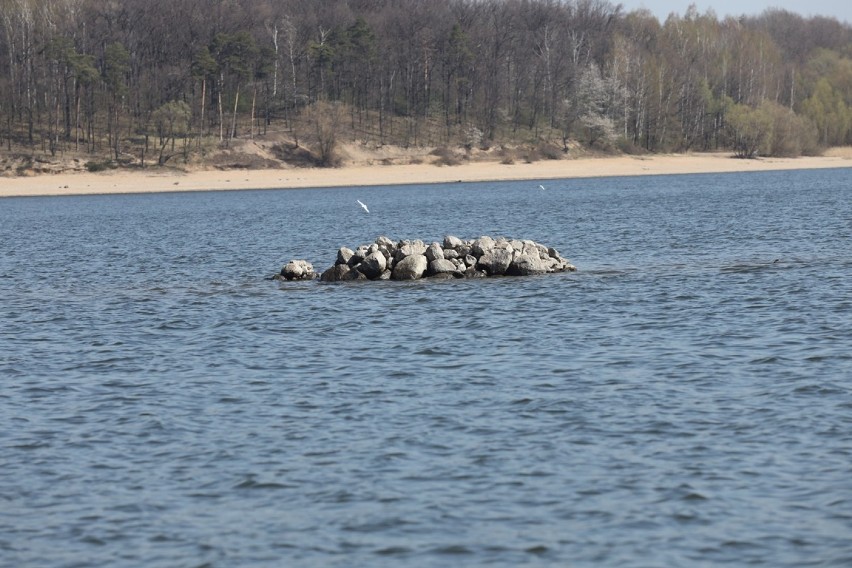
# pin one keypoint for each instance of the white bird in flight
(541, 186)
(364, 207)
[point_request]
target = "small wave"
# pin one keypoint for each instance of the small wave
(392, 551)
(768, 360)
(753, 267)
(429, 351)
(252, 484)
(819, 390)
(378, 525)
(606, 272)
(179, 324)
(31, 446)
(452, 549)
(93, 540)
(537, 550)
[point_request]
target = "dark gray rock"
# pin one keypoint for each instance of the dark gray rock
(374, 265)
(336, 273)
(353, 275)
(361, 253)
(443, 276)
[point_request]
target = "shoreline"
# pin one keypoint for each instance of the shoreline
(154, 181)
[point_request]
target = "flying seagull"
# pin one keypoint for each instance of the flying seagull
(364, 207)
(541, 186)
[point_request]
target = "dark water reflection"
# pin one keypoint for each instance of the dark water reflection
(684, 399)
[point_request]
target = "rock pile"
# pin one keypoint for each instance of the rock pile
(455, 258)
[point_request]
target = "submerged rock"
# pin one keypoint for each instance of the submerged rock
(298, 270)
(336, 273)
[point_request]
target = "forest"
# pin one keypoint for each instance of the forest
(161, 80)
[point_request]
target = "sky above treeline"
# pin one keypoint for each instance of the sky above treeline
(840, 9)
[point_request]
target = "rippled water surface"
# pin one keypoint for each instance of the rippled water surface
(684, 399)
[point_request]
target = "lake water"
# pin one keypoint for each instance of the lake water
(684, 399)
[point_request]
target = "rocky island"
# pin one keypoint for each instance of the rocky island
(386, 259)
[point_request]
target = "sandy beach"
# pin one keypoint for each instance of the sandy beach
(360, 175)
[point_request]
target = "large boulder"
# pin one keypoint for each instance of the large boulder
(434, 252)
(344, 255)
(442, 265)
(387, 247)
(496, 261)
(481, 245)
(373, 266)
(411, 267)
(528, 264)
(386, 243)
(409, 248)
(336, 273)
(451, 242)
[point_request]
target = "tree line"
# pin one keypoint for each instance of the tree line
(104, 76)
